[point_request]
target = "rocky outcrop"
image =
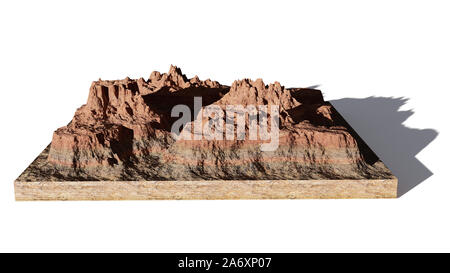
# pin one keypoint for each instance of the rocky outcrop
(123, 132)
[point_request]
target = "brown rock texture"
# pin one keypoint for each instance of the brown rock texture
(123, 133)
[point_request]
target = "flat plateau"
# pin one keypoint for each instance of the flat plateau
(204, 189)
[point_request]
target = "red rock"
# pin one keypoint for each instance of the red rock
(123, 133)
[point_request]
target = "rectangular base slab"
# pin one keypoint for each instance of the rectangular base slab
(205, 189)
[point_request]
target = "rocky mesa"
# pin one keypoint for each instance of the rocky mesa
(125, 133)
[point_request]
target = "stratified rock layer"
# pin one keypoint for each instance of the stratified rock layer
(123, 133)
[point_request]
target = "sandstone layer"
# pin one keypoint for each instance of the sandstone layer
(123, 133)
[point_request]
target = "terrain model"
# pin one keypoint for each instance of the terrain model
(131, 130)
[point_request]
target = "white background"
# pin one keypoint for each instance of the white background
(50, 51)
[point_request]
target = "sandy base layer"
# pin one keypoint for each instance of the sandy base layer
(205, 189)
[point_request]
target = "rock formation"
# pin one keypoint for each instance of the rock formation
(123, 133)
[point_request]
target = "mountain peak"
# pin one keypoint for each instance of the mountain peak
(248, 92)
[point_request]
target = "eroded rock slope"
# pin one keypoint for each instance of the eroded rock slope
(123, 132)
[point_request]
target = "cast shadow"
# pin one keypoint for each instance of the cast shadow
(379, 122)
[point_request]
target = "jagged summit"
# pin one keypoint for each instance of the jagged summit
(243, 92)
(176, 80)
(247, 92)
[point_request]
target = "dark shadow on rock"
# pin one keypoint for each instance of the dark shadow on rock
(163, 101)
(379, 122)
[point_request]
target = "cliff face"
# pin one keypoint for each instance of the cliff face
(123, 132)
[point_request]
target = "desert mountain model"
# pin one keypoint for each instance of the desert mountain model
(124, 133)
